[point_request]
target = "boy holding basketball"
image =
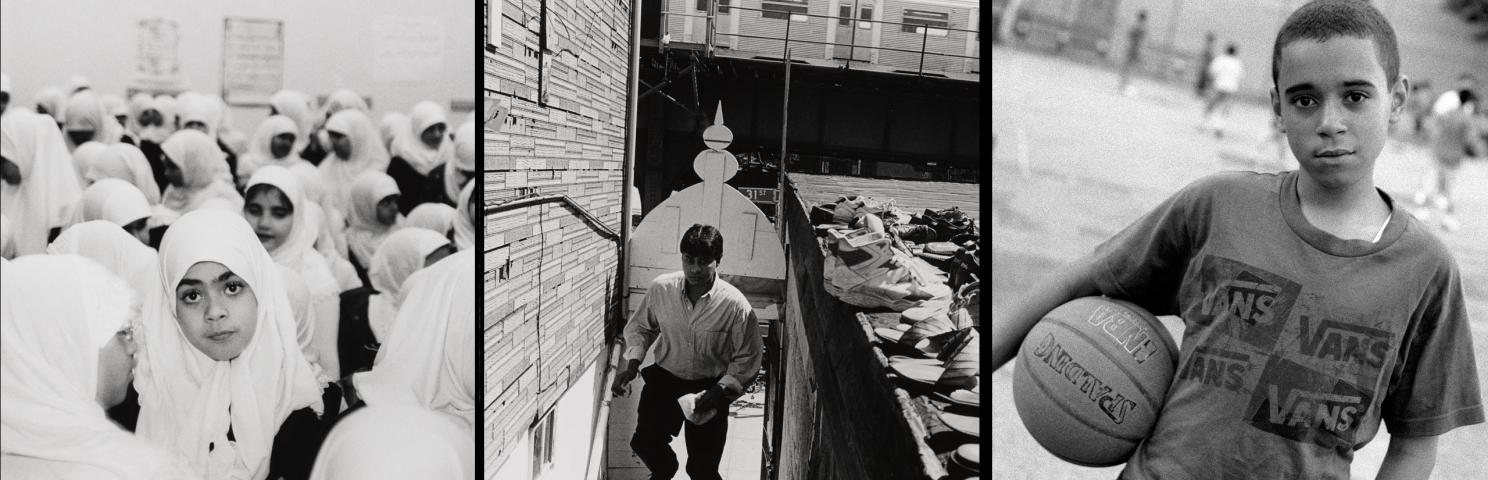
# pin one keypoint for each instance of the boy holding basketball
(1315, 308)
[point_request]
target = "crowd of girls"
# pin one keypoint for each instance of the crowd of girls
(183, 299)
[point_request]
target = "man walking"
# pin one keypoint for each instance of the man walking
(1134, 38)
(708, 343)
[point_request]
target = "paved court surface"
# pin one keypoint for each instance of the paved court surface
(1074, 162)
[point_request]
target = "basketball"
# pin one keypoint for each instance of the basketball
(1091, 379)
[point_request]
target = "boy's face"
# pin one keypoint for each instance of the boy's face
(1336, 107)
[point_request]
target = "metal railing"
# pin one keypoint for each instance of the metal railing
(712, 33)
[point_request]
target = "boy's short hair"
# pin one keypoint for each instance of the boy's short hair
(702, 241)
(1322, 20)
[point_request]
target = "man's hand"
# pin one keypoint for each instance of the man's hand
(623, 377)
(711, 399)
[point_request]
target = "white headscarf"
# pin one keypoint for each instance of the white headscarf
(54, 101)
(203, 170)
(391, 124)
(345, 99)
(184, 395)
(198, 107)
(428, 359)
(464, 230)
(260, 150)
(83, 158)
(115, 201)
(86, 111)
(109, 245)
(409, 143)
(49, 189)
(166, 106)
(332, 240)
(400, 255)
(365, 233)
(296, 106)
(367, 155)
(59, 311)
(433, 216)
(455, 176)
(125, 162)
(396, 442)
(298, 250)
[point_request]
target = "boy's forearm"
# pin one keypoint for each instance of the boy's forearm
(1408, 458)
(1069, 282)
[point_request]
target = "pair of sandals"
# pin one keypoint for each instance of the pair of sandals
(949, 223)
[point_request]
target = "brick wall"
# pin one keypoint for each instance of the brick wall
(550, 274)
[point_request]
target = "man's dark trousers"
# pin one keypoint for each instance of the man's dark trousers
(659, 420)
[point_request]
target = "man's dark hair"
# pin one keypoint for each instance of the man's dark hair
(1231, 49)
(1467, 97)
(1323, 20)
(703, 242)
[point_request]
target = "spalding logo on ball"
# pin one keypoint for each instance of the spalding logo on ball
(1091, 378)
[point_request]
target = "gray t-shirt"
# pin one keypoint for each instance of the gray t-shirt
(1298, 343)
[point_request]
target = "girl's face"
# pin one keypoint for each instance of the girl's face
(280, 145)
(270, 214)
(387, 210)
(341, 145)
(80, 137)
(217, 310)
(438, 254)
(433, 135)
(116, 365)
(173, 174)
(140, 229)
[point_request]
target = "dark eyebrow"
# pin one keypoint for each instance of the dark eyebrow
(194, 282)
(1347, 83)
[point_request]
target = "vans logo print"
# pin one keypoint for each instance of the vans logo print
(1341, 342)
(1247, 302)
(1216, 368)
(1304, 405)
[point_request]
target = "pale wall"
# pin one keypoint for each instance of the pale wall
(328, 45)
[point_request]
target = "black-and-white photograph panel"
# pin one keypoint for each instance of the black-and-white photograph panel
(237, 240)
(732, 239)
(1243, 239)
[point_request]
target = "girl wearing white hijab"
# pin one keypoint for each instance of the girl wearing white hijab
(332, 239)
(374, 215)
(356, 148)
(39, 189)
(466, 211)
(459, 172)
(276, 142)
(295, 106)
(391, 124)
(220, 370)
(116, 201)
(197, 171)
(66, 355)
(83, 158)
(52, 101)
(396, 442)
(276, 208)
(433, 216)
(404, 252)
(345, 99)
(418, 151)
(428, 359)
(87, 119)
(118, 251)
(125, 162)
